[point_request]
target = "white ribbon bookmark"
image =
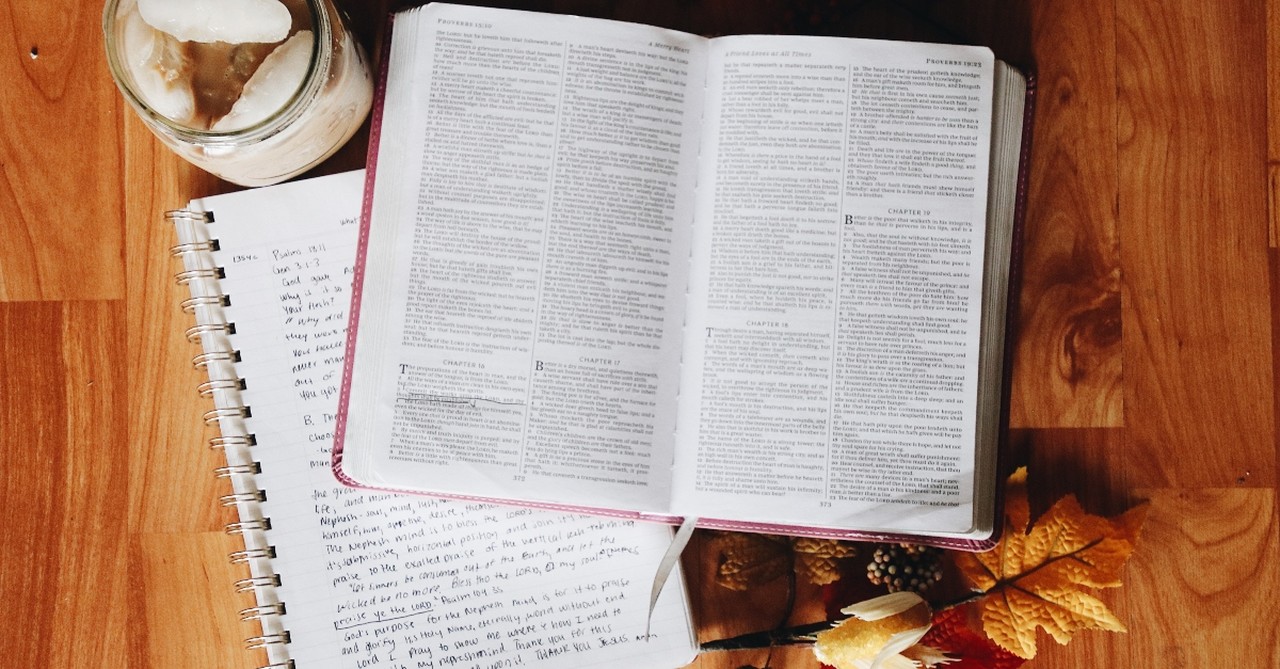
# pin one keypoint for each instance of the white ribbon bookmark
(669, 561)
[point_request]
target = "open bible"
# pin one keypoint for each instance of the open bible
(757, 280)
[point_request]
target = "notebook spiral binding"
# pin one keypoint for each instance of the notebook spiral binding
(218, 357)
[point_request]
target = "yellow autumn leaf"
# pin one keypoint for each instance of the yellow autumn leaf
(748, 560)
(819, 559)
(1035, 575)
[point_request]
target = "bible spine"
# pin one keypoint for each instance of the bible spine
(214, 331)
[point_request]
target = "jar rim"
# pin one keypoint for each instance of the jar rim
(321, 53)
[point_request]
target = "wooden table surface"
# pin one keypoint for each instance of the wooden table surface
(1144, 364)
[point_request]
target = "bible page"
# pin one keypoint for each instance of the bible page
(375, 581)
(835, 300)
(519, 327)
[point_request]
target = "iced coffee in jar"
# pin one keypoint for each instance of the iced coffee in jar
(253, 91)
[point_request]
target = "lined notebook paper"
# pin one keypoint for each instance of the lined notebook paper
(356, 580)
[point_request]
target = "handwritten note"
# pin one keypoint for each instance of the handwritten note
(383, 580)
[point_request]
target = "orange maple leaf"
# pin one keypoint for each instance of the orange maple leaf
(1034, 575)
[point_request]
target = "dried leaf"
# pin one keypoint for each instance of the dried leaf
(818, 560)
(1034, 576)
(748, 560)
(953, 634)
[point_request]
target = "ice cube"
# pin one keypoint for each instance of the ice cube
(234, 21)
(160, 70)
(301, 14)
(270, 87)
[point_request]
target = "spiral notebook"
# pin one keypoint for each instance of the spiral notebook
(349, 579)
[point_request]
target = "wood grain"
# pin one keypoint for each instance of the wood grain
(59, 199)
(1205, 572)
(63, 556)
(1067, 365)
(1193, 239)
(186, 614)
(1086, 463)
(1273, 204)
(174, 454)
(1273, 122)
(1273, 79)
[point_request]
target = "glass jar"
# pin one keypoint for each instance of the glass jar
(252, 99)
